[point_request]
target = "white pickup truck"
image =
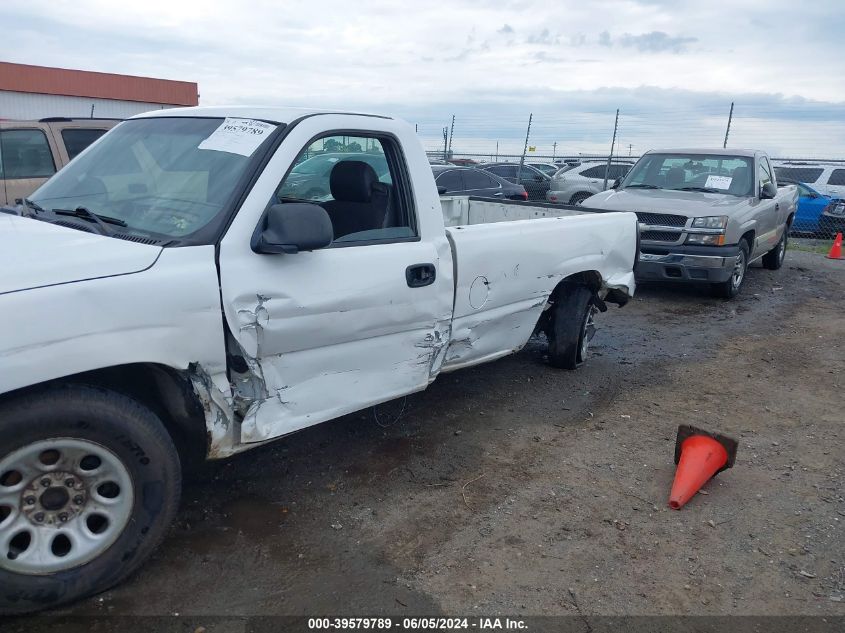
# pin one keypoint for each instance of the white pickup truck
(172, 296)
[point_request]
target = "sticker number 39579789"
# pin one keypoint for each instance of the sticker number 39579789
(238, 136)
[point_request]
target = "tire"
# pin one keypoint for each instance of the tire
(773, 260)
(104, 476)
(571, 327)
(579, 198)
(730, 288)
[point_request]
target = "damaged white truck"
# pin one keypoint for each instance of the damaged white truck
(192, 285)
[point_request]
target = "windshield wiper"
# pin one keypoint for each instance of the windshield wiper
(34, 206)
(641, 186)
(703, 189)
(101, 221)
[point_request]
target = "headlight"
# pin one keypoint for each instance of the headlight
(710, 222)
(705, 239)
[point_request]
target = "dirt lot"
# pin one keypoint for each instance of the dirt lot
(516, 488)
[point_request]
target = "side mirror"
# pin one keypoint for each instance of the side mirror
(441, 189)
(616, 183)
(538, 178)
(290, 228)
(768, 191)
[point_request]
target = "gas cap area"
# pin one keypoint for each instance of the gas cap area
(479, 292)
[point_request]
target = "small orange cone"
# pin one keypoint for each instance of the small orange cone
(836, 249)
(699, 456)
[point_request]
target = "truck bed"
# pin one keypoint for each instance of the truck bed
(509, 256)
(467, 210)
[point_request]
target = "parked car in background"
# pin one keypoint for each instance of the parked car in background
(575, 185)
(828, 179)
(463, 162)
(812, 204)
(704, 215)
(467, 181)
(32, 151)
(550, 169)
(536, 182)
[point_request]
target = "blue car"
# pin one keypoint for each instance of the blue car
(811, 204)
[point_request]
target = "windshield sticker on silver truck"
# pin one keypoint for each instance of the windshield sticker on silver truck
(718, 182)
(238, 136)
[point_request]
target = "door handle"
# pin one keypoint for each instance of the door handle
(420, 275)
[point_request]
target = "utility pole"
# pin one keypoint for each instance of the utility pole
(445, 142)
(524, 149)
(612, 144)
(728, 130)
(630, 147)
(451, 133)
(554, 149)
(497, 151)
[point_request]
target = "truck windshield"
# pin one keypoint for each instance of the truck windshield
(153, 175)
(707, 173)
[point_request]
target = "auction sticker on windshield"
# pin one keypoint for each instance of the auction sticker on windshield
(718, 182)
(238, 136)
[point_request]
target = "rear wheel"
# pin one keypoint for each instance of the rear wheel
(773, 260)
(89, 482)
(730, 288)
(579, 198)
(571, 327)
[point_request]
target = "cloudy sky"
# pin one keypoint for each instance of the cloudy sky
(671, 67)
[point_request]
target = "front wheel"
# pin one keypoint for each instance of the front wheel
(773, 260)
(571, 327)
(730, 288)
(89, 482)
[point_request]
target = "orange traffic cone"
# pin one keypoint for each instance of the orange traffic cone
(836, 249)
(699, 456)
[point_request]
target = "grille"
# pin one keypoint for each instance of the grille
(661, 236)
(661, 219)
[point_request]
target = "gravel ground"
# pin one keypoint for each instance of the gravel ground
(516, 488)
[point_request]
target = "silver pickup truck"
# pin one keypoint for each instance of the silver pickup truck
(704, 215)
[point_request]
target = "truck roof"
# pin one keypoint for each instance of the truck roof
(262, 113)
(718, 151)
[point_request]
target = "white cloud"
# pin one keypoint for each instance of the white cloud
(418, 58)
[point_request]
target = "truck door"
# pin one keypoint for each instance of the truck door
(323, 333)
(768, 212)
(29, 158)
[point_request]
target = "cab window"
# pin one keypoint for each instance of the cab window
(361, 181)
(77, 139)
(26, 154)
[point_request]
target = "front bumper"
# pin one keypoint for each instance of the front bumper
(713, 264)
(833, 221)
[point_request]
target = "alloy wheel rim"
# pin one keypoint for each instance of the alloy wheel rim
(588, 331)
(63, 502)
(739, 270)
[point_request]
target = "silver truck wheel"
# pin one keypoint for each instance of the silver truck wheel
(65, 502)
(730, 288)
(773, 260)
(587, 333)
(89, 482)
(571, 326)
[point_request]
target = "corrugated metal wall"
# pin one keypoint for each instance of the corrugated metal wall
(24, 106)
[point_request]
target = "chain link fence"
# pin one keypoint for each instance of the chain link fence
(806, 141)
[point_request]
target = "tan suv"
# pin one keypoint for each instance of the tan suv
(32, 151)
